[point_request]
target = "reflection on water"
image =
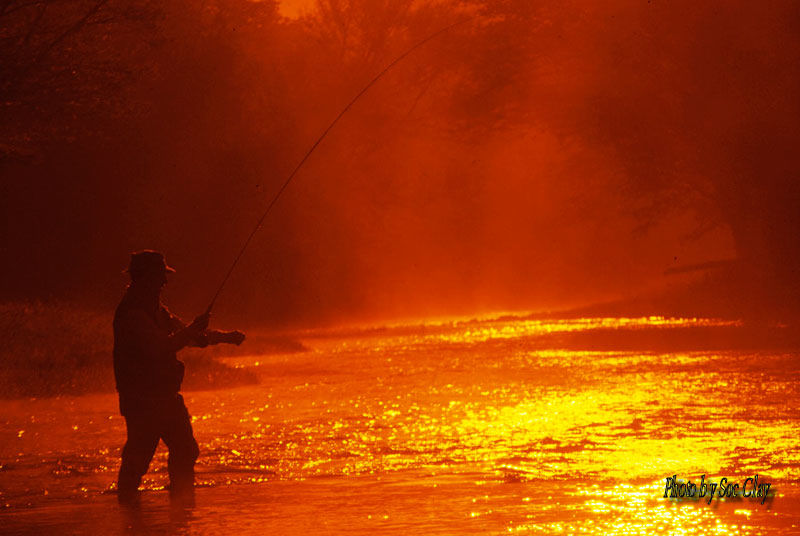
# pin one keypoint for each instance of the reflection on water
(448, 428)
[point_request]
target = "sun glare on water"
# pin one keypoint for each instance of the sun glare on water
(501, 430)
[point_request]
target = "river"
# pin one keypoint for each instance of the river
(475, 426)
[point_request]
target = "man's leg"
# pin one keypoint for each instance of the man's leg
(177, 433)
(136, 454)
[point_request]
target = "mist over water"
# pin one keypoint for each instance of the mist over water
(535, 157)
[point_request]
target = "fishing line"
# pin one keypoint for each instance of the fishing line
(314, 146)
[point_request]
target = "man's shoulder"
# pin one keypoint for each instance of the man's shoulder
(128, 311)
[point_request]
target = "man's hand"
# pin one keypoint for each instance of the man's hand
(200, 341)
(192, 335)
(236, 337)
(200, 323)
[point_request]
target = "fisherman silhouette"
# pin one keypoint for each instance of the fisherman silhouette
(148, 375)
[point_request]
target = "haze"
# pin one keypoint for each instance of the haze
(536, 157)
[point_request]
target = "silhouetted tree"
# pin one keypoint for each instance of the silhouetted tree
(64, 64)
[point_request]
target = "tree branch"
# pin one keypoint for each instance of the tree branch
(71, 30)
(34, 25)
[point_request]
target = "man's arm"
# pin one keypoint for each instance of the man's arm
(196, 337)
(140, 328)
(230, 337)
(206, 336)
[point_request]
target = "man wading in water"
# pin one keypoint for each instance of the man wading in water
(148, 375)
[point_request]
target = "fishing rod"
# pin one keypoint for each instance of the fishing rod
(372, 82)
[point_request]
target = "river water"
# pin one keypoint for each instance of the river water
(482, 426)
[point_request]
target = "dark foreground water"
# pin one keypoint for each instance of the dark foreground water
(481, 426)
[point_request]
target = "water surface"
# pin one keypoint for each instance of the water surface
(478, 426)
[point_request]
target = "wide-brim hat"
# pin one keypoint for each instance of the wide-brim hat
(148, 262)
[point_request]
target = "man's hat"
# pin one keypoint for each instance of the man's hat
(147, 262)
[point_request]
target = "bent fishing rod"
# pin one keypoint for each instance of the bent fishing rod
(277, 196)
